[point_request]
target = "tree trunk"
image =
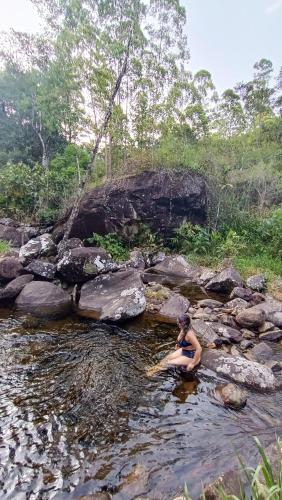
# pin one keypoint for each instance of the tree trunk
(101, 134)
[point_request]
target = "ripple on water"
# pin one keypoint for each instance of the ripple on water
(78, 414)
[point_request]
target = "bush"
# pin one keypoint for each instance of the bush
(4, 247)
(112, 243)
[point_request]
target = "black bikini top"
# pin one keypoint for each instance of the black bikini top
(184, 343)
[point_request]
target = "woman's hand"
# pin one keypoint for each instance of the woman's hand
(190, 367)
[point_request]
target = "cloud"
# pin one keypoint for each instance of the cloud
(273, 7)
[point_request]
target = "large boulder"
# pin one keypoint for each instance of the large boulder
(83, 264)
(40, 246)
(65, 245)
(227, 332)
(165, 305)
(14, 235)
(225, 281)
(240, 370)
(10, 268)
(42, 269)
(44, 299)
(160, 199)
(113, 296)
(15, 287)
(173, 270)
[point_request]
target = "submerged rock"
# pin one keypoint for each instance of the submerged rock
(113, 297)
(10, 268)
(240, 370)
(15, 287)
(225, 281)
(231, 396)
(44, 299)
(82, 264)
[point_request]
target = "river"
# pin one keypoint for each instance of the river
(79, 415)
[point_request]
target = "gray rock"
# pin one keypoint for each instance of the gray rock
(40, 246)
(225, 281)
(204, 332)
(257, 283)
(241, 293)
(205, 277)
(113, 297)
(213, 304)
(271, 336)
(247, 334)
(240, 370)
(231, 396)
(227, 332)
(261, 352)
(10, 268)
(275, 318)
(42, 269)
(15, 287)
(251, 318)
(44, 299)
(66, 245)
(175, 268)
(231, 482)
(265, 327)
(154, 258)
(14, 235)
(236, 305)
(136, 260)
(172, 308)
(246, 344)
(82, 264)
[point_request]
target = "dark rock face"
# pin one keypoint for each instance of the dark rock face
(12, 234)
(15, 287)
(10, 268)
(113, 296)
(42, 269)
(225, 281)
(43, 299)
(82, 264)
(160, 199)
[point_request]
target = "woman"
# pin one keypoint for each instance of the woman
(188, 350)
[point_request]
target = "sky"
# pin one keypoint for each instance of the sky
(225, 37)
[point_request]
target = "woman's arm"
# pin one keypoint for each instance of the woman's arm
(191, 337)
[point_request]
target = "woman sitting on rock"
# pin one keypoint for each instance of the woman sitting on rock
(188, 350)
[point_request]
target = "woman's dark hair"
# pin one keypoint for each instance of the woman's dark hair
(184, 322)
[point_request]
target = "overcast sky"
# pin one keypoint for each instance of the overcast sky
(224, 36)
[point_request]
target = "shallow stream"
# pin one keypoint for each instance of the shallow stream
(79, 415)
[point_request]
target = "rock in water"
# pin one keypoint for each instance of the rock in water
(43, 299)
(172, 308)
(10, 268)
(240, 370)
(82, 264)
(15, 287)
(160, 199)
(231, 396)
(113, 297)
(225, 281)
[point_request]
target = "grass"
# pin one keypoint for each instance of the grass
(264, 482)
(4, 247)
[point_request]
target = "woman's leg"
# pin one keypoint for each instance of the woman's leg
(163, 364)
(180, 361)
(174, 354)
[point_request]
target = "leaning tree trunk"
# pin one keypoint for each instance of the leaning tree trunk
(103, 129)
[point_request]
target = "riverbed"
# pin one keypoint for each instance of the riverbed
(79, 415)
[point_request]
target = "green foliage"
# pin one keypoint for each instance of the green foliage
(112, 243)
(4, 247)
(144, 237)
